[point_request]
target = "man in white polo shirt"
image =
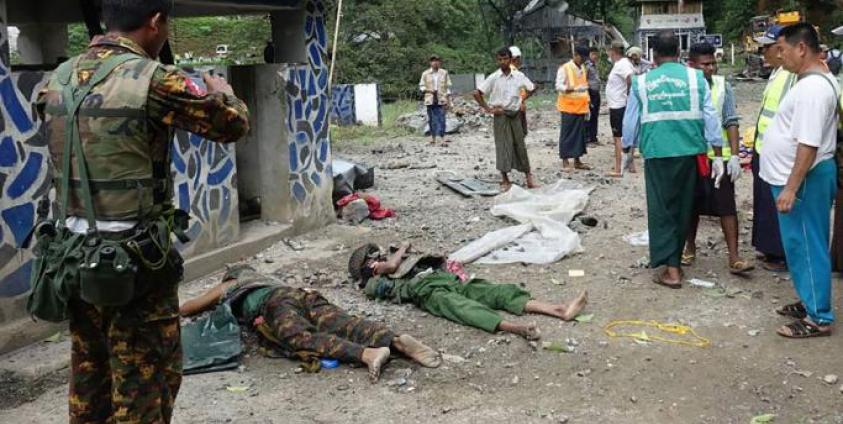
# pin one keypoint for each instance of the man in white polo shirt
(617, 93)
(798, 162)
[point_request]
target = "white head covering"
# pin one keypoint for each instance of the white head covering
(516, 52)
(633, 51)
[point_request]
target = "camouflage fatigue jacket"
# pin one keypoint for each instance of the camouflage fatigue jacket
(174, 99)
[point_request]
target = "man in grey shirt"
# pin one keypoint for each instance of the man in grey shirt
(593, 93)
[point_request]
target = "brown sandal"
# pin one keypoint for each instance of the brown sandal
(658, 278)
(741, 266)
(794, 310)
(803, 329)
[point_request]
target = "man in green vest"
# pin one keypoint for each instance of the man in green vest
(766, 237)
(109, 113)
(709, 200)
(671, 117)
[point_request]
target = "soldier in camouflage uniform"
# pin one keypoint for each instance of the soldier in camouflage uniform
(126, 361)
(305, 325)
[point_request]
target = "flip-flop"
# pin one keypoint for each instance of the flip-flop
(568, 169)
(583, 167)
(657, 278)
(803, 329)
(614, 175)
(740, 267)
(688, 259)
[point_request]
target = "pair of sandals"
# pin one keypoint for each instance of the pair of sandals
(739, 267)
(801, 328)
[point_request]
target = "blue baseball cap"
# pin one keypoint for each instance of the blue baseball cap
(770, 36)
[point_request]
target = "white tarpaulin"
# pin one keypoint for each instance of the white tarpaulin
(543, 235)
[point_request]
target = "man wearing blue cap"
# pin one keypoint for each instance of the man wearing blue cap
(766, 237)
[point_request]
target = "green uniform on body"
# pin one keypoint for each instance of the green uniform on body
(442, 294)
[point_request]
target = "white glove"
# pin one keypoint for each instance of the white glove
(626, 162)
(718, 170)
(734, 168)
(588, 116)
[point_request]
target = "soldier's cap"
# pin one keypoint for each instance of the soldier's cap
(435, 57)
(770, 36)
(838, 30)
(236, 271)
(618, 44)
(358, 259)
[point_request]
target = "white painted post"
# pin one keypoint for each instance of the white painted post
(733, 54)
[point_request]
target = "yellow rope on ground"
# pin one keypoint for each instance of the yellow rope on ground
(678, 329)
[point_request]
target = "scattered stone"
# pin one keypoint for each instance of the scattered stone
(454, 359)
(343, 387)
(633, 399)
(562, 419)
(830, 379)
(753, 333)
(515, 380)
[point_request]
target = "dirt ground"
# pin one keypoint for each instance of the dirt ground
(747, 371)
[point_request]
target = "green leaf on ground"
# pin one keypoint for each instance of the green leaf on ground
(236, 389)
(584, 318)
(555, 347)
(761, 419)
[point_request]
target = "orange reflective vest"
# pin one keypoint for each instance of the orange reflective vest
(577, 101)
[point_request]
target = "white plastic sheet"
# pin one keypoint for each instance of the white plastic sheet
(543, 235)
(638, 239)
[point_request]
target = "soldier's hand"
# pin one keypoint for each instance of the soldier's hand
(217, 84)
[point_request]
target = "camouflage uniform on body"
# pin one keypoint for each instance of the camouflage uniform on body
(303, 324)
(126, 361)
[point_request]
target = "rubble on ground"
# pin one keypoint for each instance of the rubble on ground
(463, 112)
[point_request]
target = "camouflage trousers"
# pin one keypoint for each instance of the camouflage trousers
(304, 321)
(126, 362)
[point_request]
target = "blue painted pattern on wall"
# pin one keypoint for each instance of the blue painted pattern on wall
(205, 181)
(308, 107)
(24, 175)
(342, 104)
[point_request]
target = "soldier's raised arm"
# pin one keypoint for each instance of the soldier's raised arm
(214, 113)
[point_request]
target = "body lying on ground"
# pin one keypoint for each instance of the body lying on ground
(424, 281)
(304, 324)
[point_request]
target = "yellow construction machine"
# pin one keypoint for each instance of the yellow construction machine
(755, 65)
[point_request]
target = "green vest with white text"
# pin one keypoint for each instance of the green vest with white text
(671, 99)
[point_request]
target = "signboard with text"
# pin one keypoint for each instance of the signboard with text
(715, 40)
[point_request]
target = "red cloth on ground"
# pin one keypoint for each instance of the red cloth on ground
(376, 210)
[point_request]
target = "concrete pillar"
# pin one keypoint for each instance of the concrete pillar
(42, 44)
(4, 36)
(263, 157)
(288, 36)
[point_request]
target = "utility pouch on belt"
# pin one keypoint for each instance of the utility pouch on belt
(107, 274)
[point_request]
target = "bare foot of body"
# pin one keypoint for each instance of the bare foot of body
(564, 311)
(528, 331)
(374, 358)
(417, 351)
